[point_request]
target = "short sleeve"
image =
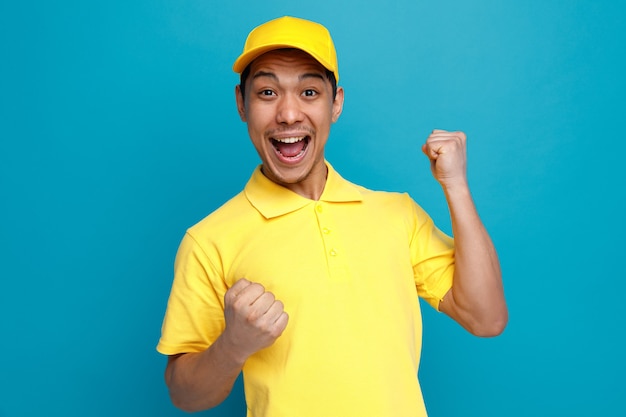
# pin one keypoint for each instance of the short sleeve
(195, 310)
(432, 253)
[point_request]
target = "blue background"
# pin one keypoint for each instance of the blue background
(118, 130)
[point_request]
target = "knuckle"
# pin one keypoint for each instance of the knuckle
(284, 319)
(265, 299)
(240, 304)
(276, 332)
(253, 316)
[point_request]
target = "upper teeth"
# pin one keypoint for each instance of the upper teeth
(290, 140)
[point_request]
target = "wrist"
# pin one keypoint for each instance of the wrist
(455, 188)
(229, 350)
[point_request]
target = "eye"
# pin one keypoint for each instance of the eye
(266, 92)
(309, 93)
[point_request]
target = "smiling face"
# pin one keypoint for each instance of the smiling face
(289, 108)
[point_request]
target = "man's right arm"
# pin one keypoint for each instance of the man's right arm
(254, 320)
(201, 380)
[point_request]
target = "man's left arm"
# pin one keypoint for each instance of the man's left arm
(476, 299)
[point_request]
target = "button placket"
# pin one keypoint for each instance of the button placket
(322, 222)
(331, 245)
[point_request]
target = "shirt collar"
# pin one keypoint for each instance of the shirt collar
(273, 200)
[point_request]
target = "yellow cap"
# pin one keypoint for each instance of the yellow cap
(289, 32)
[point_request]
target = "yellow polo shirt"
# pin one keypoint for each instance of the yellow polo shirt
(349, 269)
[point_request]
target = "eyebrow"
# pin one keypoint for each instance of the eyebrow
(312, 75)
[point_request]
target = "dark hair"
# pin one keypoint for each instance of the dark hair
(246, 73)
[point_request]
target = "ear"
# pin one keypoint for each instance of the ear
(337, 104)
(241, 106)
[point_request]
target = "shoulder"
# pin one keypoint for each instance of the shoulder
(223, 217)
(392, 200)
(395, 208)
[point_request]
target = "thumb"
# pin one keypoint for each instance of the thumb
(431, 152)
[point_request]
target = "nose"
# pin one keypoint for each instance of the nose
(289, 110)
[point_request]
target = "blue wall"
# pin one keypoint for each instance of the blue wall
(118, 130)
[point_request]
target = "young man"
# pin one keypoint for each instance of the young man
(307, 282)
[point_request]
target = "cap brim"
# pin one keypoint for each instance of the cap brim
(245, 59)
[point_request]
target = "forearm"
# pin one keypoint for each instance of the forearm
(477, 296)
(199, 381)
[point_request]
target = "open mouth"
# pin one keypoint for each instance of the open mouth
(291, 148)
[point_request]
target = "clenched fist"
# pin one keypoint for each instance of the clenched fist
(448, 160)
(254, 318)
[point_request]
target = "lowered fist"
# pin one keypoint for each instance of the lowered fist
(254, 318)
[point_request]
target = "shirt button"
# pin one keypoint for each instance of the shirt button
(326, 230)
(319, 209)
(333, 252)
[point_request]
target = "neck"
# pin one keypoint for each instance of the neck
(311, 186)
